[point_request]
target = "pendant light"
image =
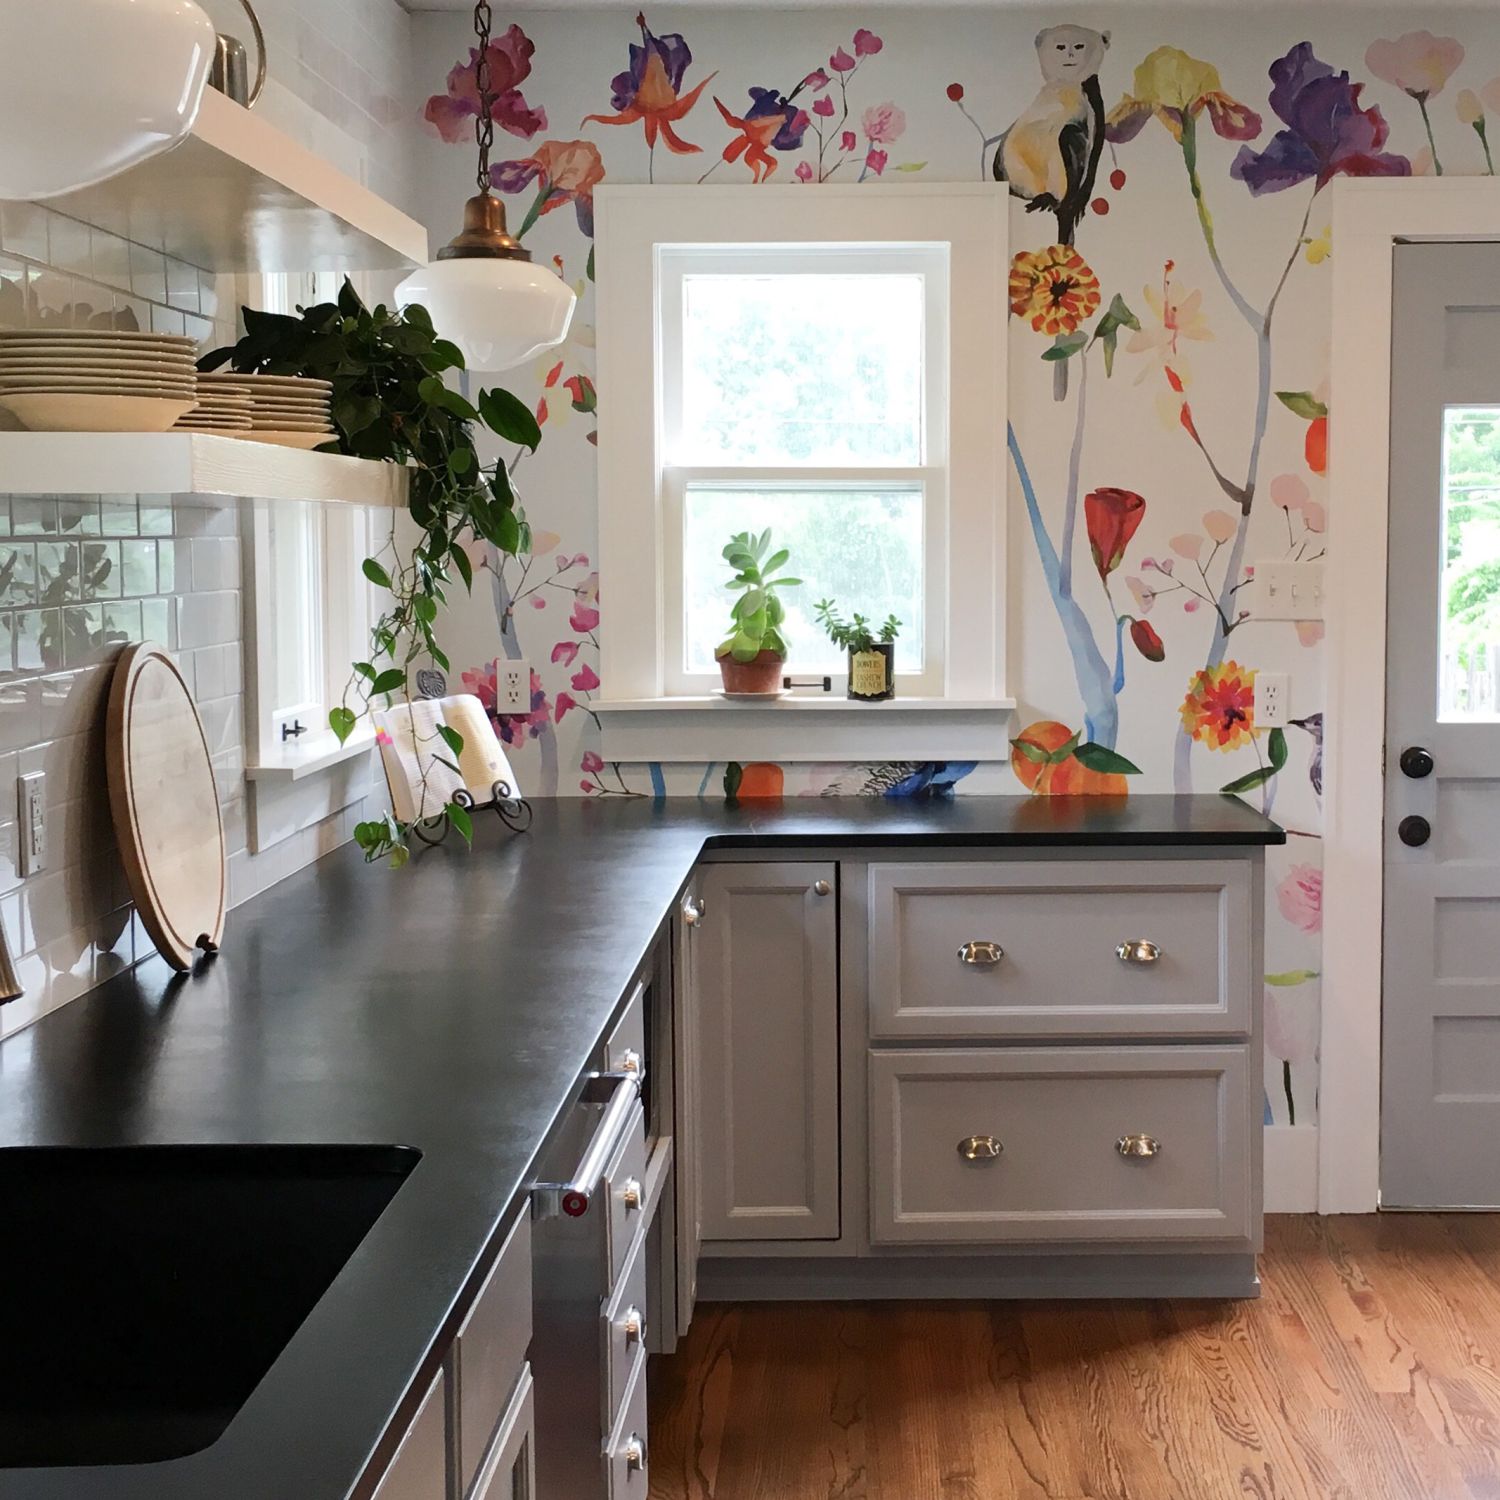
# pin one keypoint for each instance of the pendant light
(89, 88)
(483, 292)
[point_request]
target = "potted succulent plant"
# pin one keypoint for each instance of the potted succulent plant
(753, 654)
(872, 650)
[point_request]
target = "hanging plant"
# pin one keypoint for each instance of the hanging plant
(390, 404)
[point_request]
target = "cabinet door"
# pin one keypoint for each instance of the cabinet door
(419, 1471)
(688, 1202)
(768, 1083)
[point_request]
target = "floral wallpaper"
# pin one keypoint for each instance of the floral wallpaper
(1169, 292)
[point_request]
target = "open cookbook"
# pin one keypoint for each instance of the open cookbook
(411, 748)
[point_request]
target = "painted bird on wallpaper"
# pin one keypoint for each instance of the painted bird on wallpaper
(1050, 156)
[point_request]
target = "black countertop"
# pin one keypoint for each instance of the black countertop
(452, 1007)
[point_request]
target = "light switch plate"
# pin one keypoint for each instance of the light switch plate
(1289, 590)
(512, 686)
(1272, 692)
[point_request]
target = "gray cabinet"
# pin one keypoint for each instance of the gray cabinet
(768, 1057)
(419, 1471)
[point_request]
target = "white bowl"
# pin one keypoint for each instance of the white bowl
(72, 411)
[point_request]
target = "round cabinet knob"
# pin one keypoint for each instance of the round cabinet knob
(692, 912)
(1416, 762)
(1138, 951)
(1144, 1146)
(979, 1148)
(821, 887)
(635, 1454)
(630, 1195)
(630, 1061)
(1414, 831)
(633, 1325)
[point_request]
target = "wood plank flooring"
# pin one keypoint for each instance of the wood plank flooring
(1368, 1370)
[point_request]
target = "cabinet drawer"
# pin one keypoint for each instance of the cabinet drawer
(1034, 949)
(625, 1456)
(1058, 1119)
(491, 1349)
(625, 1047)
(624, 1182)
(419, 1471)
(623, 1329)
(509, 1470)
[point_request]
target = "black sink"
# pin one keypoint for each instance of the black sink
(144, 1291)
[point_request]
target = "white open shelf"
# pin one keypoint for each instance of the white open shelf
(240, 195)
(189, 463)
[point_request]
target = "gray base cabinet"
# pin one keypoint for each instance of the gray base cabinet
(768, 1063)
(1000, 1065)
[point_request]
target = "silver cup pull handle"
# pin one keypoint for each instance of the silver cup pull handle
(1144, 1146)
(981, 953)
(979, 1148)
(1138, 951)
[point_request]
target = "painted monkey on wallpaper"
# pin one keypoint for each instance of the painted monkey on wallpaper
(1050, 156)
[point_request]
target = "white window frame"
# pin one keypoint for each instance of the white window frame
(958, 713)
(930, 261)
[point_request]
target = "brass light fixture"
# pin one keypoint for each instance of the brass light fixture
(482, 290)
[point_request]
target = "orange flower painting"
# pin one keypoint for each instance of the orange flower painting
(1219, 710)
(1053, 288)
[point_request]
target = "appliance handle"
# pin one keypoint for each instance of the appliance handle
(618, 1092)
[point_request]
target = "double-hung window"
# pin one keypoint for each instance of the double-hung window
(826, 363)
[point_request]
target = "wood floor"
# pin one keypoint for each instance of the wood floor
(1369, 1368)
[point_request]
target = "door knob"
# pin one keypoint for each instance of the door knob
(1414, 831)
(821, 887)
(1416, 762)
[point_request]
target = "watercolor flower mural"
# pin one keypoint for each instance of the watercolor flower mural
(923, 779)
(829, 114)
(563, 171)
(1111, 517)
(1054, 289)
(650, 92)
(1219, 710)
(1175, 88)
(1419, 64)
(753, 140)
(1325, 133)
(452, 114)
(1469, 107)
(1291, 1014)
(1177, 317)
(1299, 896)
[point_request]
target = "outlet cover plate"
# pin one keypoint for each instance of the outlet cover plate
(31, 832)
(1272, 692)
(512, 686)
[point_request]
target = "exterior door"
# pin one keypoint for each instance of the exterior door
(768, 1066)
(1440, 1100)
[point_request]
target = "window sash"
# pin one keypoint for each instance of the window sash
(933, 481)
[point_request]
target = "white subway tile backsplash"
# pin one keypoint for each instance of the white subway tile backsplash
(208, 619)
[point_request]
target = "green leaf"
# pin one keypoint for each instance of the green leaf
(399, 856)
(1302, 404)
(460, 819)
(910, 166)
(389, 680)
(365, 669)
(461, 460)
(1276, 748)
(451, 738)
(464, 566)
(1065, 346)
(734, 774)
(341, 721)
(1248, 783)
(1107, 762)
(1034, 753)
(1064, 750)
(424, 607)
(1291, 977)
(510, 417)
(375, 573)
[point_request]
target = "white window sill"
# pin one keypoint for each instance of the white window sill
(297, 760)
(804, 728)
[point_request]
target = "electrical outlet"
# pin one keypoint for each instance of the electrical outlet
(1273, 692)
(1289, 590)
(512, 686)
(31, 835)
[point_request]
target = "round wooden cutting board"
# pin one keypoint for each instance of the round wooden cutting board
(165, 805)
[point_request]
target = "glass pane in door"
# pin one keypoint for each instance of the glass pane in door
(1469, 637)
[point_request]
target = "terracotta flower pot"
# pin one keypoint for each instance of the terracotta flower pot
(762, 675)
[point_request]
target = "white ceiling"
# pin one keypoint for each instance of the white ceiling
(1412, 6)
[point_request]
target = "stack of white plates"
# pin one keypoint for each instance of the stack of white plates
(223, 406)
(292, 410)
(97, 380)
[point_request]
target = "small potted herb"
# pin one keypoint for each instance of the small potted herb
(872, 653)
(753, 655)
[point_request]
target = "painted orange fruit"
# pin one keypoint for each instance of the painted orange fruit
(1063, 778)
(761, 779)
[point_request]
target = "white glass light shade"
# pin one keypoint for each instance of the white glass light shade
(499, 311)
(88, 88)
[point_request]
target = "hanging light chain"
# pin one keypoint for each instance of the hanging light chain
(484, 125)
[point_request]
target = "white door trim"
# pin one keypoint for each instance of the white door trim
(1369, 216)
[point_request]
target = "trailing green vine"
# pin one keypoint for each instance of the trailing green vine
(391, 404)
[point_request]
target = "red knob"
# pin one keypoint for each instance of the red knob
(575, 1205)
